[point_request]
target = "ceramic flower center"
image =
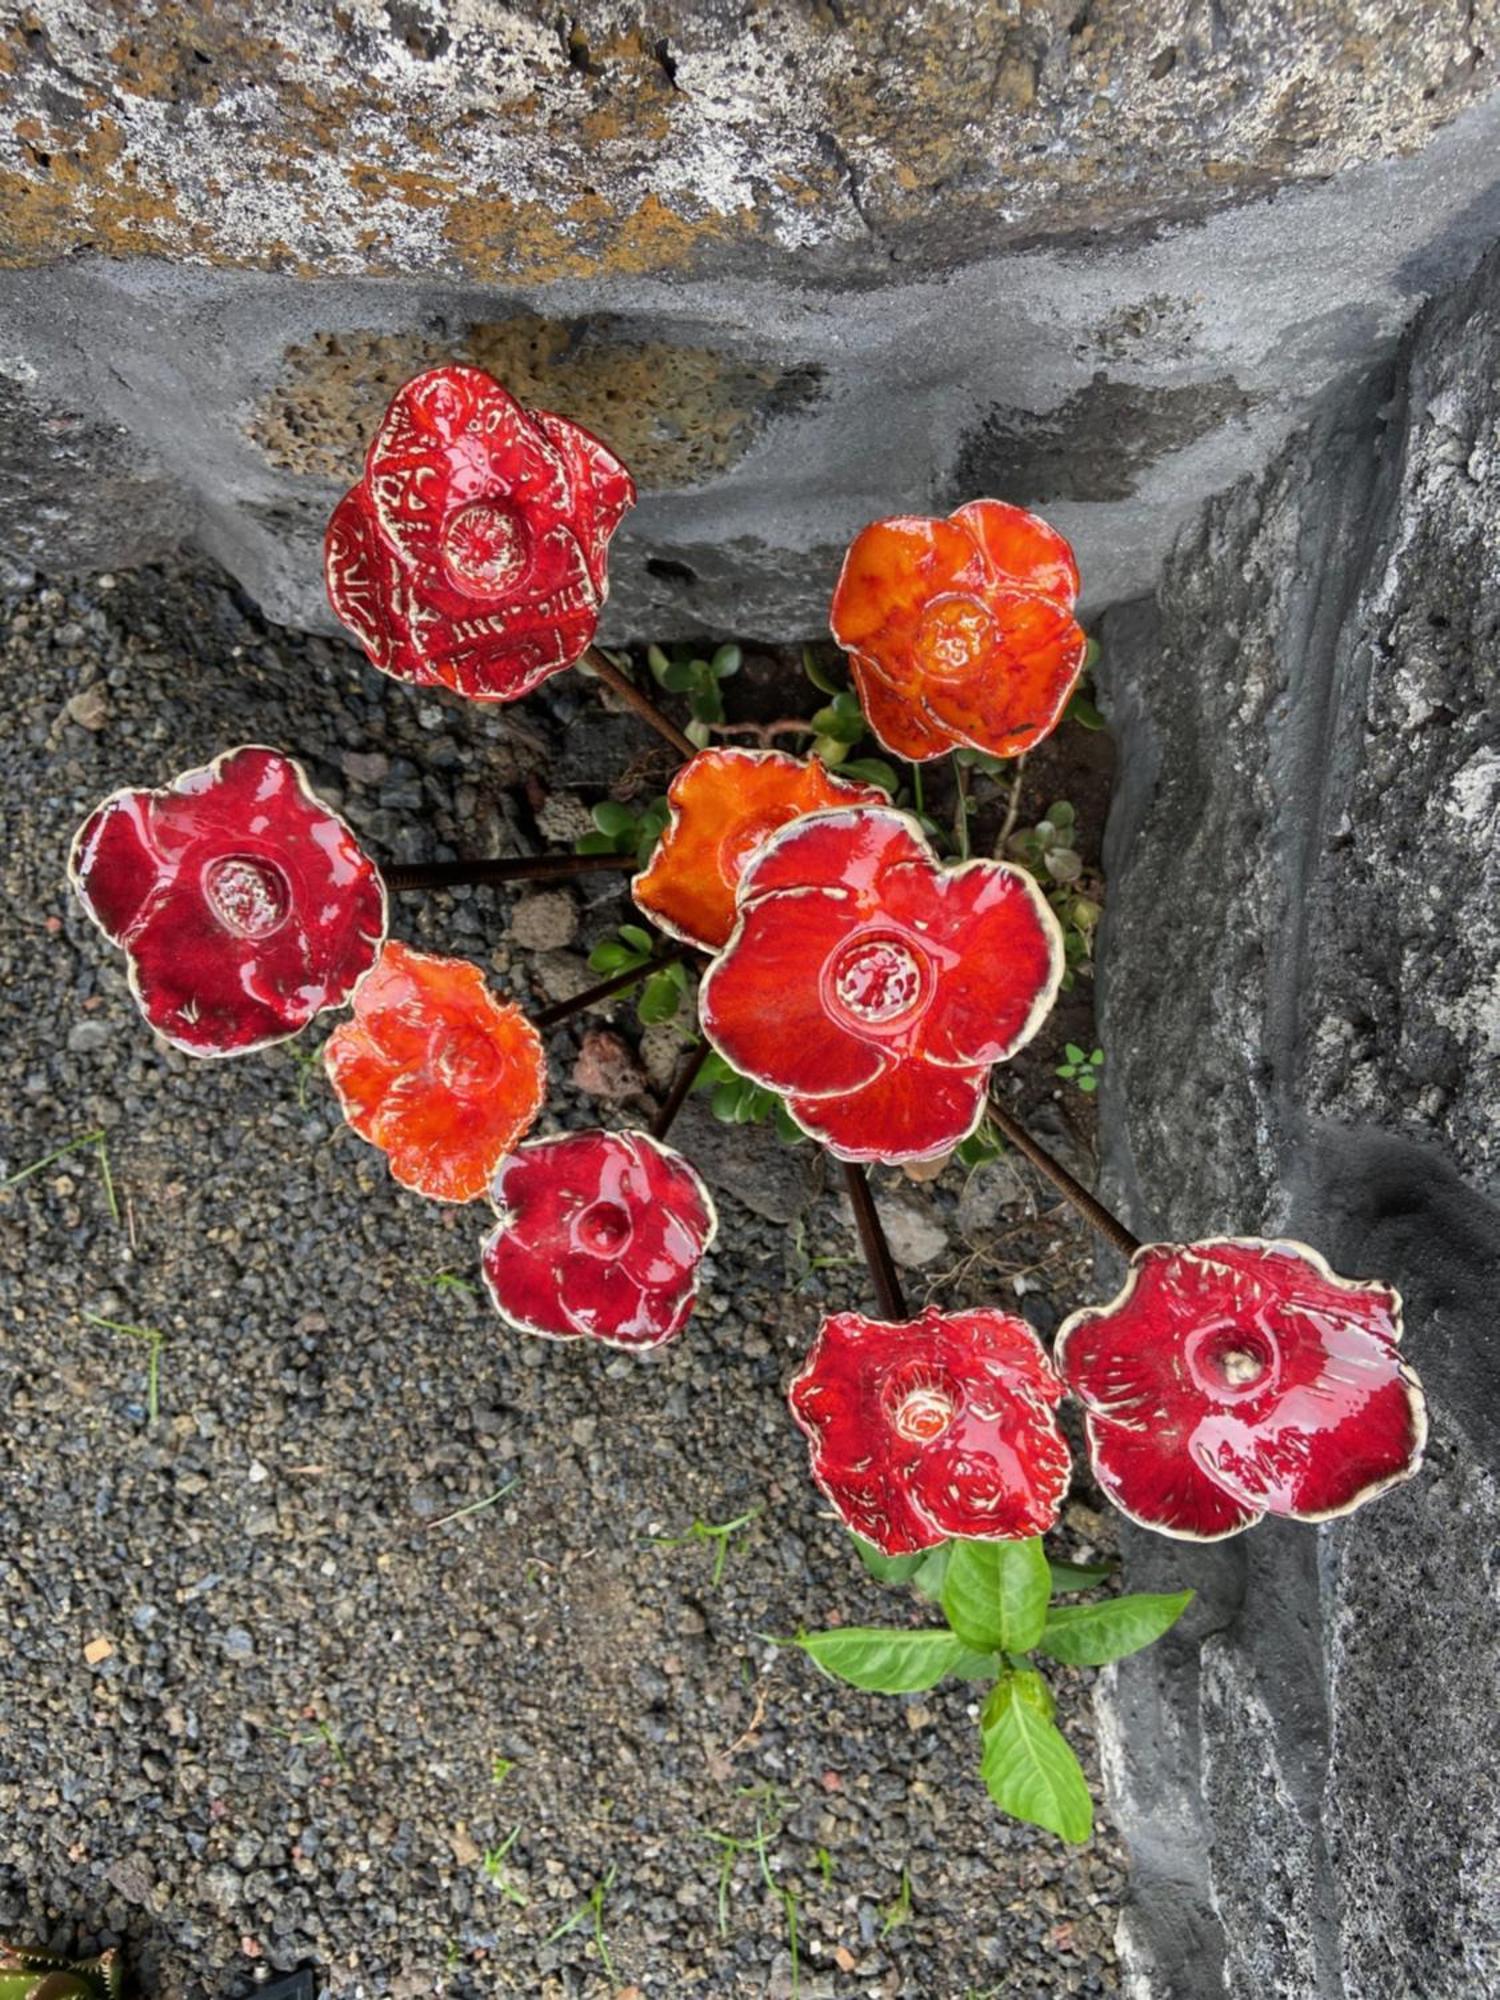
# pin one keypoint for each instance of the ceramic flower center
(1229, 1361)
(486, 547)
(878, 982)
(250, 897)
(465, 1061)
(737, 846)
(604, 1228)
(921, 1411)
(954, 635)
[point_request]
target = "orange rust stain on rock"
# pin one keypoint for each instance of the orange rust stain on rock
(496, 236)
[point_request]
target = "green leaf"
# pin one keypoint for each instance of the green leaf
(715, 1071)
(1088, 1083)
(828, 748)
(995, 1594)
(1061, 813)
(884, 1568)
(726, 1102)
(699, 732)
(594, 843)
(1073, 1053)
(1079, 1576)
(680, 676)
(726, 663)
(840, 722)
(820, 677)
(1096, 1057)
(874, 771)
(660, 1000)
(612, 818)
(637, 939)
(1082, 711)
(928, 1581)
(659, 664)
(611, 956)
(1027, 1765)
(788, 1131)
(707, 703)
(1091, 1635)
(887, 1662)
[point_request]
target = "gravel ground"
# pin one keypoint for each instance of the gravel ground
(259, 1676)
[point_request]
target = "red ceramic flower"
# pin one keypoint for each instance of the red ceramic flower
(873, 987)
(601, 1234)
(960, 631)
(243, 905)
(724, 804)
(473, 551)
(1235, 1378)
(437, 1072)
(937, 1427)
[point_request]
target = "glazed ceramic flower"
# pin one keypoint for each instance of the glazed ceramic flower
(601, 1234)
(243, 905)
(437, 1072)
(473, 552)
(873, 987)
(724, 804)
(960, 631)
(1234, 1378)
(936, 1427)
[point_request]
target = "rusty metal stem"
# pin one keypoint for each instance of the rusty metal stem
(642, 704)
(564, 1010)
(1097, 1215)
(872, 1242)
(525, 868)
(677, 1096)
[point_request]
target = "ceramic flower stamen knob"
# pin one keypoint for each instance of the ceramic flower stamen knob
(474, 550)
(873, 987)
(435, 1070)
(935, 1427)
(601, 1236)
(243, 905)
(960, 632)
(725, 804)
(1237, 1377)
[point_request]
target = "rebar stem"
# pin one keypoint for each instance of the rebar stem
(1098, 1216)
(642, 704)
(872, 1241)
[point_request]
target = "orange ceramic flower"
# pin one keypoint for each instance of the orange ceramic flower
(724, 804)
(437, 1072)
(960, 632)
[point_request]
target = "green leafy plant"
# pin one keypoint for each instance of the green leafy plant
(736, 1100)
(622, 829)
(700, 680)
(1047, 850)
(155, 1341)
(662, 992)
(495, 1871)
(999, 1601)
(1081, 1067)
(98, 1143)
(720, 1533)
(591, 1912)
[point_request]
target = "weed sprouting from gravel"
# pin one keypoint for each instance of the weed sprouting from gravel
(155, 1341)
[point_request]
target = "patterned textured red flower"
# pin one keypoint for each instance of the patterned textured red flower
(960, 631)
(473, 552)
(1234, 1378)
(601, 1234)
(935, 1427)
(874, 987)
(243, 905)
(437, 1072)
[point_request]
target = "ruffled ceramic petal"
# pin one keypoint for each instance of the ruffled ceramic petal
(605, 1302)
(900, 722)
(724, 804)
(915, 1112)
(762, 1002)
(437, 1072)
(1021, 548)
(523, 1286)
(999, 951)
(890, 571)
(933, 1427)
(367, 588)
(602, 488)
(243, 905)
(1155, 1481)
(848, 850)
(1015, 690)
(1277, 1381)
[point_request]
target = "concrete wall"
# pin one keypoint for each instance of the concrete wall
(803, 264)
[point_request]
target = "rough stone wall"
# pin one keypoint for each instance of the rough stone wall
(1300, 1005)
(805, 263)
